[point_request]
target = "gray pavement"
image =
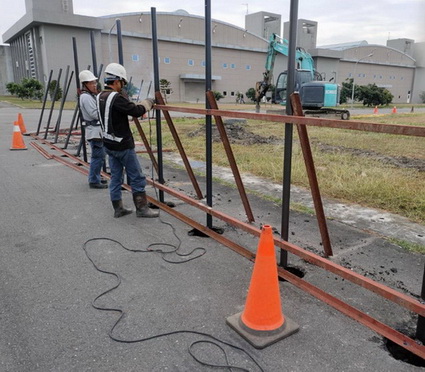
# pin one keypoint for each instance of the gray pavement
(47, 282)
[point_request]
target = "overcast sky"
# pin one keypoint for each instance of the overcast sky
(338, 21)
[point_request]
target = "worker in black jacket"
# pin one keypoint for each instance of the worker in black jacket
(114, 110)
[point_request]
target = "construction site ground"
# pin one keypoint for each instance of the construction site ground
(54, 228)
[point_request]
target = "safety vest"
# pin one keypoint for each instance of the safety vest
(104, 110)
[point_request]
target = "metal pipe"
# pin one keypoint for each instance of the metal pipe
(311, 173)
(208, 118)
(44, 102)
(66, 83)
(119, 37)
(93, 52)
(420, 327)
(155, 54)
(53, 103)
(231, 158)
(287, 158)
(404, 130)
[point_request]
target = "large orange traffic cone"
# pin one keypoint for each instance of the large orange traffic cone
(17, 140)
(21, 124)
(262, 322)
(394, 110)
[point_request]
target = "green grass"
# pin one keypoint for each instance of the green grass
(351, 166)
(413, 247)
(34, 104)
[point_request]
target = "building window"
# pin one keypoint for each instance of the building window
(203, 64)
(225, 93)
(232, 94)
(190, 62)
(248, 67)
(232, 65)
(167, 60)
(224, 65)
(135, 58)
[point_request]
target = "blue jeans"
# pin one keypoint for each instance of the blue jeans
(96, 161)
(128, 160)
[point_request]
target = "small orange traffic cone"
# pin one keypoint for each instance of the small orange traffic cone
(375, 110)
(394, 110)
(17, 140)
(262, 322)
(21, 124)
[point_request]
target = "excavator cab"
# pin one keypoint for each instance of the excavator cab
(301, 77)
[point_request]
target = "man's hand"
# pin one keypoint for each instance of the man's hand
(147, 103)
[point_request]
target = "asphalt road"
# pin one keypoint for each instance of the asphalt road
(53, 225)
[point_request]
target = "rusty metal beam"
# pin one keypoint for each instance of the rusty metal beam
(146, 144)
(406, 130)
(386, 292)
(354, 313)
(312, 177)
(180, 147)
(230, 157)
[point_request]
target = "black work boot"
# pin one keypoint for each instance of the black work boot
(142, 208)
(98, 185)
(119, 209)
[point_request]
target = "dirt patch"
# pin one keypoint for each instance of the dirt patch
(396, 161)
(237, 134)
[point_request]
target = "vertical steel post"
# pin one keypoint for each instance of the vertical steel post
(157, 112)
(119, 37)
(420, 328)
(64, 94)
(46, 93)
(208, 118)
(55, 93)
(93, 53)
(77, 82)
(287, 159)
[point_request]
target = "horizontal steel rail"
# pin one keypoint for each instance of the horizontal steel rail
(406, 130)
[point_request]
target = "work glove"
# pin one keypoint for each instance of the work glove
(147, 103)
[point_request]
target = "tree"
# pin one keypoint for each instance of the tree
(250, 93)
(372, 95)
(165, 88)
(346, 91)
(29, 88)
(12, 88)
(422, 96)
(217, 95)
(52, 88)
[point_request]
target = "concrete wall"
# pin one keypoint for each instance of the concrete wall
(419, 86)
(6, 72)
(238, 56)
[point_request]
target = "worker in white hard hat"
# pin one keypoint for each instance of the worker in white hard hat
(114, 110)
(93, 128)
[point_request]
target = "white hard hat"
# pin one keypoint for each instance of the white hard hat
(86, 75)
(115, 71)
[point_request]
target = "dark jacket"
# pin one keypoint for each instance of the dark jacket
(118, 125)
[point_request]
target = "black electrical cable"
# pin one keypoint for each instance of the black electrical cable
(122, 315)
(163, 256)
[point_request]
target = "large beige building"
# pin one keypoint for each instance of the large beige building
(42, 41)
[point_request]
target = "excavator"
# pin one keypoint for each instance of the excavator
(319, 98)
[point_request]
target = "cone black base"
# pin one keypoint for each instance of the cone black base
(262, 339)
